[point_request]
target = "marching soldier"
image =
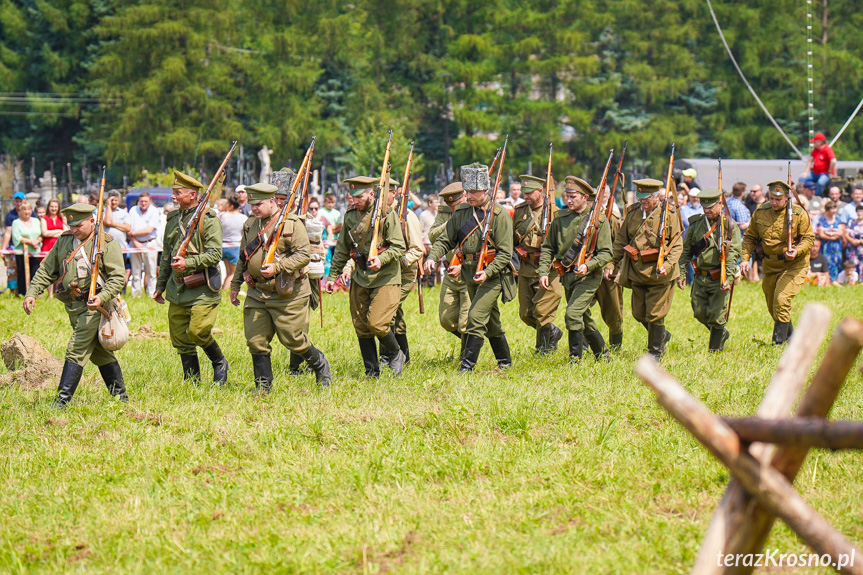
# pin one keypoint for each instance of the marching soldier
(709, 296)
(375, 282)
(560, 254)
(454, 297)
(409, 262)
(191, 284)
(464, 232)
(271, 309)
(537, 307)
(68, 262)
(784, 269)
(609, 294)
(635, 253)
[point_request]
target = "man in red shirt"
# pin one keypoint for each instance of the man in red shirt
(822, 164)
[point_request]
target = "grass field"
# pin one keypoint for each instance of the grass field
(548, 468)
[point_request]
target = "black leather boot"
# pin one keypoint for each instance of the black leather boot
(369, 351)
(191, 367)
(657, 339)
(615, 340)
(220, 364)
(295, 367)
(500, 347)
(112, 375)
(319, 364)
(402, 338)
(718, 337)
(395, 356)
(576, 345)
(597, 345)
(540, 341)
(463, 340)
(472, 346)
(781, 332)
(555, 337)
(68, 384)
(262, 365)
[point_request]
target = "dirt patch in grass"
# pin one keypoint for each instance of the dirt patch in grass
(152, 418)
(146, 331)
(83, 553)
(216, 469)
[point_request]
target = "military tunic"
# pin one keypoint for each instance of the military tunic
(266, 312)
(454, 298)
(782, 279)
(192, 311)
(537, 307)
(651, 295)
(409, 263)
(579, 290)
(374, 295)
(465, 229)
(609, 294)
(709, 303)
(84, 344)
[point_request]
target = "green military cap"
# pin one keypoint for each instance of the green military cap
(708, 197)
(359, 184)
(573, 184)
(646, 187)
(778, 188)
(452, 190)
(260, 192)
(77, 213)
(393, 182)
(530, 183)
(182, 180)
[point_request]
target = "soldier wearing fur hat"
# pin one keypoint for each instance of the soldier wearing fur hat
(784, 269)
(709, 295)
(454, 298)
(635, 256)
(68, 261)
(560, 253)
(463, 233)
(537, 306)
(277, 302)
(375, 281)
(191, 284)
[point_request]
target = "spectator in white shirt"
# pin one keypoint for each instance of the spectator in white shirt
(144, 223)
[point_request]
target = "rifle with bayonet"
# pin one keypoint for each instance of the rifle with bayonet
(380, 201)
(98, 242)
(669, 190)
(202, 207)
(486, 254)
(273, 241)
(305, 198)
(548, 207)
(403, 200)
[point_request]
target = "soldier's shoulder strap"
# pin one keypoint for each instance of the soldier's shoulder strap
(464, 206)
(695, 218)
(173, 214)
(632, 207)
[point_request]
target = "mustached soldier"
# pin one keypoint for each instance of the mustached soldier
(784, 269)
(709, 296)
(635, 254)
(537, 306)
(192, 284)
(375, 281)
(464, 231)
(69, 262)
(277, 303)
(454, 298)
(560, 253)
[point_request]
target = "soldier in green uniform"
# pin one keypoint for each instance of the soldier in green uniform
(784, 269)
(635, 256)
(709, 296)
(560, 251)
(375, 281)
(609, 295)
(464, 232)
(454, 298)
(277, 302)
(192, 284)
(537, 307)
(69, 262)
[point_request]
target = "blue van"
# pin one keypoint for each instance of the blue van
(159, 196)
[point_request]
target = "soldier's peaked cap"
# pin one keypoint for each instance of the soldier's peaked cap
(182, 180)
(573, 184)
(260, 192)
(709, 196)
(453, 189)
(359, 184)
(530, 183)
(778, 188)
(77, 213)
(646, 187)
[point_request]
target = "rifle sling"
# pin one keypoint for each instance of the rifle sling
(256, 244)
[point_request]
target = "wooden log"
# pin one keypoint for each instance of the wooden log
(770, 488)
(808, 432)
(838, 360)
(777, 403)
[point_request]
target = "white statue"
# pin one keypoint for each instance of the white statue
(266, 169)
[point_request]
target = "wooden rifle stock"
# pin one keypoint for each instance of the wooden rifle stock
(303, 201)
(98, 242)
(203, 206)
(483, 258)
(273, 240)
(494, 161)
(547, 208)
(380, 201)
(660, 260)
(609, 206)
(590, 235)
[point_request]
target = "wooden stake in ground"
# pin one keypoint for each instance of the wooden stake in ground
(769, 487)
(26, 266)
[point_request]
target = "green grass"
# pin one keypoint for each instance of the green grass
(546, 469)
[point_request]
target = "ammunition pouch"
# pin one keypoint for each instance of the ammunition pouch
(211, 276)
(649, 255)
(631, 253)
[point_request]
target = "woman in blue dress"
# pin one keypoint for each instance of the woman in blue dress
(831, 231)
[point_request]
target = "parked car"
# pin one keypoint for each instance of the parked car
(159, 197)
